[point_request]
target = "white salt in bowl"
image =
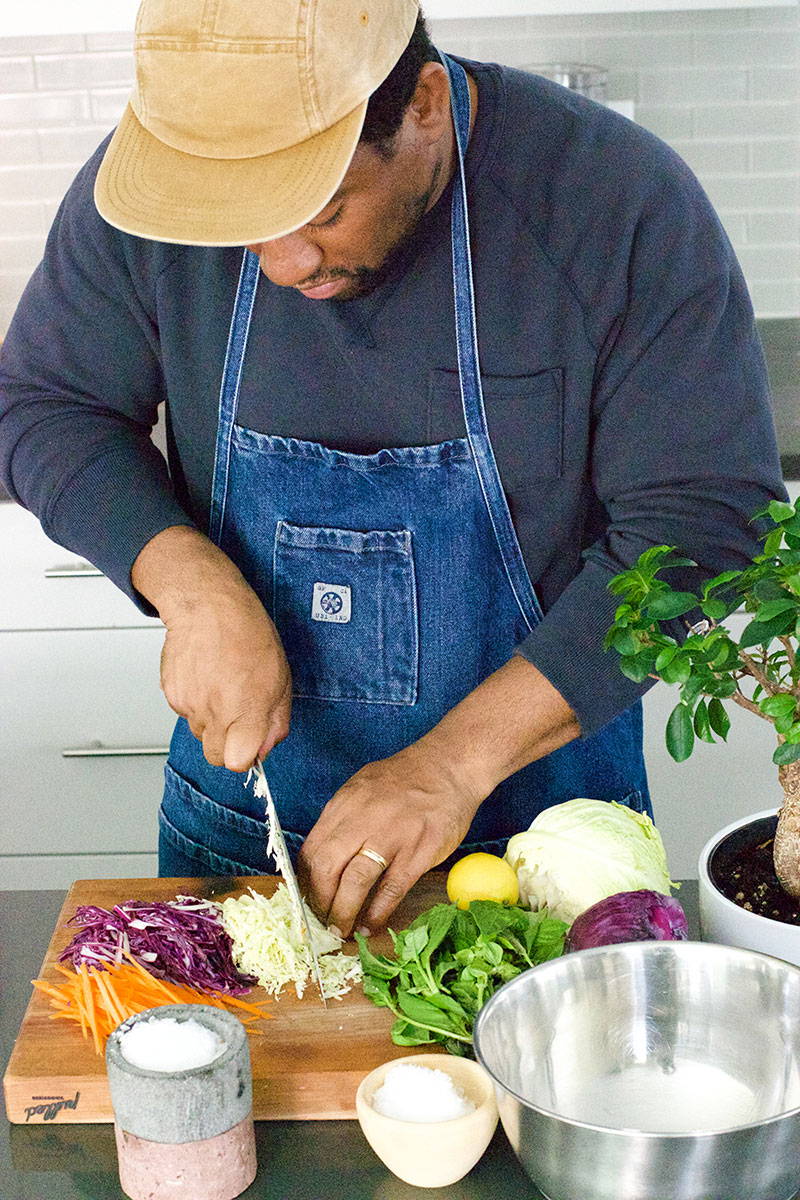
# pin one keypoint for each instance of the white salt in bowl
(431, 1154)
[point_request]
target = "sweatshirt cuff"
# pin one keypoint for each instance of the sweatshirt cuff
(115, 505)
(567, 647)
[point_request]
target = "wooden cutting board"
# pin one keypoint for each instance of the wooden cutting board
(307, 1061)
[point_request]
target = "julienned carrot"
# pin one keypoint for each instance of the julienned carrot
(100, 1000)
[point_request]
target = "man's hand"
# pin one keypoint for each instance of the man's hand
(407, 808)
(414, 808)
(222, 665)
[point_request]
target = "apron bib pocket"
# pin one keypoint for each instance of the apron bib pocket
(346, 608)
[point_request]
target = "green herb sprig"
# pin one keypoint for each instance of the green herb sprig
(447, 964)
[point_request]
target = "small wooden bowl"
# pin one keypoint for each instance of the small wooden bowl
(431, 1154)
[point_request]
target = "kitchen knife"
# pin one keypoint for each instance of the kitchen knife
(276, 846)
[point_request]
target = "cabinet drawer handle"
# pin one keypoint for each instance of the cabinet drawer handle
(80, 571)
(100, 751)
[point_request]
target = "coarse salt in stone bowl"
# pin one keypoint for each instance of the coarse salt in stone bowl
(431, 1154)
(183, 1132)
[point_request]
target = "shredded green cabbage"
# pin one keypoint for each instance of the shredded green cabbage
(268, 945)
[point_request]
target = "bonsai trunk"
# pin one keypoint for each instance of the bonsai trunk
(786, 851)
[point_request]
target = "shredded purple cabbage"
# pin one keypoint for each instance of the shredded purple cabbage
(181, 941)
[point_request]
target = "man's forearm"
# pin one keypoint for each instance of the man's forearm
(180, 568)
(511, 719)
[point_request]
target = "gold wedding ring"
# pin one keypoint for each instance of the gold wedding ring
(376, 858)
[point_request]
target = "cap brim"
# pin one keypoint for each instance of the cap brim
(147, 188)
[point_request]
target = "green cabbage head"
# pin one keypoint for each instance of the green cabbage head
(581, 851)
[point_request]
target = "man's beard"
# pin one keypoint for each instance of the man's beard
(365, 280)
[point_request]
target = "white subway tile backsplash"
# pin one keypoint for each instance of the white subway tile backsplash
(747, 48)
(18, 146)
(525, 52)
(774, 229)
(12, 285)
(669, 122)
(768, 263)
(19, 219)
(696, 19)
(746, 120)
(775, 299)
(644, 49)
(779, 154)
(19, 253)
(109, 41)
(720, 85)
(714, 158)
(35, 182)
(24, 110)
(17, 74)
(735, 225)
(58, 43)
(775, 83)
(107, 106)
(72, 145)
(753, 193)
(693, 85)
(55, 71)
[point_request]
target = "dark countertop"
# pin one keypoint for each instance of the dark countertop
(298, 1160)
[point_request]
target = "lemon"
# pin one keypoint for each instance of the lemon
(482, 877)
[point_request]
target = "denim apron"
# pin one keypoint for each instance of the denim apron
(397, 584)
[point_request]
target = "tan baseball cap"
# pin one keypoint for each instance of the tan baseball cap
(245, 114)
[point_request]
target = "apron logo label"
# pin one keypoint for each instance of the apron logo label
(331, 602)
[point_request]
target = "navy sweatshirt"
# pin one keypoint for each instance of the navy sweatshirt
(625, 386)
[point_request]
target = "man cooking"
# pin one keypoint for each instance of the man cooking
(443, 347)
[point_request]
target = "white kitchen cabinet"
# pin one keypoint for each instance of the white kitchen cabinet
(85, 732)
(84, 726)
(44, 586)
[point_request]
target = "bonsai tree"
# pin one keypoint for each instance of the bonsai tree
(760, 672)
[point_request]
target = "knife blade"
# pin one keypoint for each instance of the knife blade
(276, 847)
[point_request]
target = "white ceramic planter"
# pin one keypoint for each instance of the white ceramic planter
(723, 921)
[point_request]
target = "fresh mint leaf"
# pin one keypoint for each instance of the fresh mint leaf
(375, 965)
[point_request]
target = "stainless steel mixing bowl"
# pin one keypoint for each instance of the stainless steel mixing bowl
(650, 1071)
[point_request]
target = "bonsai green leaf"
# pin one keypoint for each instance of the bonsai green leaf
(793, 582)
(665, 657)
(759, 633)
(724, 687)
(680, 733)
(714, 609)
(668, 605)
(637, 666)
(779, 510)
(678, 669)
(772, 542)
(787, 753)
(624, 641)
(774, 608)
(726, 656)
(718, 581)
(693, 688)
(654, 557)
(778, 706)
(768, 589)
(792, 734)
(702, 724)
(718, 718)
